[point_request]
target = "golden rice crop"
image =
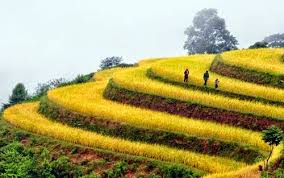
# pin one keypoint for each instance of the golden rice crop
(135, 79)
(25, 116)
(87, 99)
(105, 74)
(173, 68)
(265, 60)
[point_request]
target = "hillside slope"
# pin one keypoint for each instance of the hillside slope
(147, 111)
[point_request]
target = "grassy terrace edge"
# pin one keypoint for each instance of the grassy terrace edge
(152, 75)
(220, 67)
(10, 134)
(187, 109)
(238, 152)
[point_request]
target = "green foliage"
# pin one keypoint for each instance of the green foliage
(117, 171)
(42, 88)
(18, 161)
(82, 78)
(91, 176)
(176, 171)
(272, 136)
(279, 173)
(264, 174)
(110, 62)
(275, 40)
(127, 65)
(261, 44)
(19, 135)
(199, 36)
(62, 167)
(15, 161)
(19, 94)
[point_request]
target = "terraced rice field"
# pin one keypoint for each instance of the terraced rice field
(173, 68)
(135, 79)
(264, 60)
(98, 118)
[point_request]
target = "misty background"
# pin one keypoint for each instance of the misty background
(42, 40)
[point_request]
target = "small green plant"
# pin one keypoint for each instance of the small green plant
(272, 136)
(264, 174)
(279, 173)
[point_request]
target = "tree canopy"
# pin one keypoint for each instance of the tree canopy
(19, 94)
(272, 136)
(260, 44)
(208, 34)
(275, 41)
(110, 62)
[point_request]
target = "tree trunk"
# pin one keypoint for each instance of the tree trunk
(266, 164)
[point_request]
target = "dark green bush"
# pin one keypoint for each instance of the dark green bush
(62, 167)
(15, 161)
(176, 171)
(117, 171)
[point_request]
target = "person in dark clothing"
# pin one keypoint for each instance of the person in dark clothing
(186, 73)
(216, 83)
(205, 77)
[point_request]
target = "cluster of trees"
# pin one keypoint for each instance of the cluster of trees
(114, 61)
(20, 93)
(208, 34)
(272, 41)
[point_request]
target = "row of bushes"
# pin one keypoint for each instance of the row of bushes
(20, 94)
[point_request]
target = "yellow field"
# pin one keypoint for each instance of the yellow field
(25, 116)
(88, 99)
(173, 69)
(249, 171)
(135, 79)
(265, 60)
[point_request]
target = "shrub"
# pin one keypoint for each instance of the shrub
(63, 168)
(261, 44)
(19, 94)
(15, 161)
(110, 62)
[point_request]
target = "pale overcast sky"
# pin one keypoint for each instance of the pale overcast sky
(41, 40)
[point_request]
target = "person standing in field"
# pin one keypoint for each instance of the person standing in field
(206, 77)
(216, 83)
(186, 73)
